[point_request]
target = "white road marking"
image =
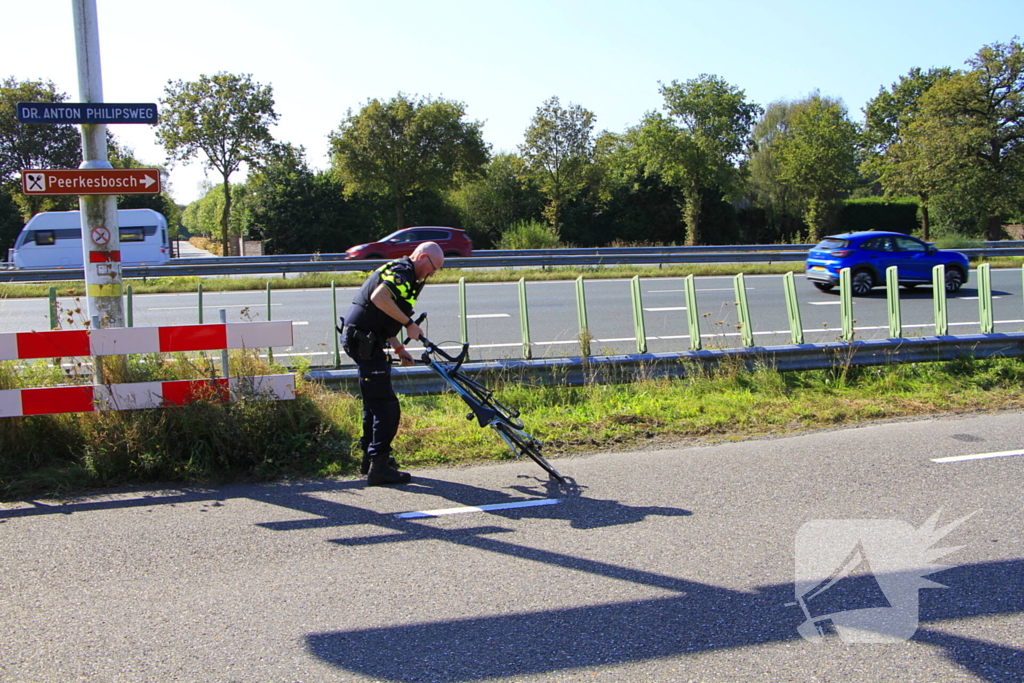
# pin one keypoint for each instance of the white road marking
(299, 354)
(489, 315)
(676, 291)
(978, 456)
(208, 305)
(477, 508)
(667, 308)
(824, 303)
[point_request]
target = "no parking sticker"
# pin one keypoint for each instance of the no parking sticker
(100, 236)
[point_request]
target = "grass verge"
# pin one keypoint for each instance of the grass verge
(316, 434)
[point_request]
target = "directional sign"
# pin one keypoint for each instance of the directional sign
(99, 112)
(83, 181)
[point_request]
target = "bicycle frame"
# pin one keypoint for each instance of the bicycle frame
(484, 414)
(487, 411)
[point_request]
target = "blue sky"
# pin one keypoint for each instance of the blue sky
(502, 59)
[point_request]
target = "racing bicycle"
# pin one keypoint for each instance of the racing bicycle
(487, 410)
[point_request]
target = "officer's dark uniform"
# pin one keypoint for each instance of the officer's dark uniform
(366, 330)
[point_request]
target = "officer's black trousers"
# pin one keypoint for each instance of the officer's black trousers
(381, 410)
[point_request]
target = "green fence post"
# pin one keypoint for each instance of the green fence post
(892, 300)
(54, 322)
(270, 351)
(463, 315)
(692, 317)
(939, 299)
(225, 366)
(581, 316)
(739, 286)
(524, 320)
(638, 316)
(129, 313)
(796, 327)
(845, 305)
(200, 303)
(985, 298)
(334, 325)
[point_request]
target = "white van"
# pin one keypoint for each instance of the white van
(53, 239)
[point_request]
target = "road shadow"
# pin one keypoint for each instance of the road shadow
(701, 619)
(697, 618)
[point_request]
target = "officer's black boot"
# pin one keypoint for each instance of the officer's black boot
(364, 466)
(383, 474)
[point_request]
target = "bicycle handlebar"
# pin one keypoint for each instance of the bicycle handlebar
(430, 347)
(417, 321)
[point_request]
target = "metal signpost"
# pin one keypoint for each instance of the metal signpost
(95, 182)
(101, 242)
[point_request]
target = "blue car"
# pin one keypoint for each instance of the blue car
(868, 254)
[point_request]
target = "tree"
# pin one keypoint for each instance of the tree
(898, 168)
(24, 145)
(11, 221)
(297, 211)
(397, 147)
(817, 158)
(628, 205)
(204, 215)
(227, 117)
(769, 192)
(702, 143)
(559, 149)
(124, 157)
(506, 194)
(971, 132)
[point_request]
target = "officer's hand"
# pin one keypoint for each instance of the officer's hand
(406, 357)
(414, 331)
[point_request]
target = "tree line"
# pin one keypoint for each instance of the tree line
(939, 152)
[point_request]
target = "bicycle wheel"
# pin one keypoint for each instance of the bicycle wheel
(486, 397)
(524, 444)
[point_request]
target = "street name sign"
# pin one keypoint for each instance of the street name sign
(85, 181)
(98, 112)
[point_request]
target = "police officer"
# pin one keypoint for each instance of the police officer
(381, 308)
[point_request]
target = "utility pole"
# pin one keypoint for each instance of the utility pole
(101, 241)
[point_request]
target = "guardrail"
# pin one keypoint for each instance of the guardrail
(574, 251)
(502, 253)
(795, 357)
(556, 257)
(695, 336)
(578, 371)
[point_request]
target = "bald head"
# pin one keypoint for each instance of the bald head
(427, 259)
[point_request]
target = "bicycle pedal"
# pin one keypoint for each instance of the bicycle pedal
(470, 415)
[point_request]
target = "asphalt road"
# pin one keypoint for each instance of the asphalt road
(495, 331)
(669, 564)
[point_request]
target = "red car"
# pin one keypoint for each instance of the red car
(453, 242)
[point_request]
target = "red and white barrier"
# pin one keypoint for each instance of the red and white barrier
(115, 341)
(95, 397)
